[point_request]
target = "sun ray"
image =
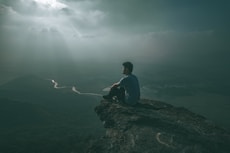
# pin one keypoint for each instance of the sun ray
(53, 4)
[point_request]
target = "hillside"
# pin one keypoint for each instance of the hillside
(16, 113)
(35, 117)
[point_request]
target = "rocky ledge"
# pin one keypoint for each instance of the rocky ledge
(157, 127)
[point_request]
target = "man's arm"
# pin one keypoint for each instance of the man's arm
(115, 85)
(122, 83)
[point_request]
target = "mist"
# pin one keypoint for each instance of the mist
(178, 48)
(58, 56)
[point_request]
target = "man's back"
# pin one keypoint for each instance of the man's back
(129, 91)
(132, 88)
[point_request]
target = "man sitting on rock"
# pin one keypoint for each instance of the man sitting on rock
(127, 90)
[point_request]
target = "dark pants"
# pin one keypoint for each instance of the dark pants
(118, 92)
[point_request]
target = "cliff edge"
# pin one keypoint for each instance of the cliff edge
(157, 127)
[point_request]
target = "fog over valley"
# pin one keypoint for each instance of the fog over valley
(180, 51)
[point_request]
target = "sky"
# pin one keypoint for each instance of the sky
(171, 32)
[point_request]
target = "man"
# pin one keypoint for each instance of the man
(127, 89)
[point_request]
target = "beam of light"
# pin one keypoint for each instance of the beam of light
(54, 4)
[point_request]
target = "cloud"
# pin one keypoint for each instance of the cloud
(166, 15)
(50, 4)
(29, 14)
(163, 31)
(6, 10)
(131, 15)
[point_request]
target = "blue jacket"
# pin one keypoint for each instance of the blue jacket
(132, 88)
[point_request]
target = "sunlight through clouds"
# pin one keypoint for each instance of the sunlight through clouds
(76, 20)
(148, 31)
(53, 4)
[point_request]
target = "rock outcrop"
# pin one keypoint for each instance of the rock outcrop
(157, 127)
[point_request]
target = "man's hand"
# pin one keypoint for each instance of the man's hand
(115, 85)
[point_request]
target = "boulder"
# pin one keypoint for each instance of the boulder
(157, 127)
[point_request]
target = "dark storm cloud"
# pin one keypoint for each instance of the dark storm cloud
(168, 14)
